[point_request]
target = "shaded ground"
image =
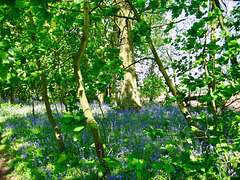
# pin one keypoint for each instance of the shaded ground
(4, 170)
(4, 160)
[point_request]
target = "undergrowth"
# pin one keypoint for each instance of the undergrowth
(153, 143)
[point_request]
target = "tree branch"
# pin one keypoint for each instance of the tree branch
(132, 18)
(157, 26)
(139, 61)
(98, 5)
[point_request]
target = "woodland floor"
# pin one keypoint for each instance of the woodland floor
(4, 170)
(234, 104)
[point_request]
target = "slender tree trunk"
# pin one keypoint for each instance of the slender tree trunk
(33, 108)
(212, 84)
(169, 83)
(129, 94)
(234, 62)
(49, 111)
(175, 92)
(63, 99)
(2, 91)
(102, 95)
(45, 96)
(174, 72)
(92, 123)
(12, 93)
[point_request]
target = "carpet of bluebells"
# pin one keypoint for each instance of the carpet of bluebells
(153, 143)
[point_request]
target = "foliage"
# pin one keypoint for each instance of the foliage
(153, 143)
(73, 124)
(152, 87)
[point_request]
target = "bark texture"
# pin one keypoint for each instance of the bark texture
(113, 87)
(92, 123)
(129, 94)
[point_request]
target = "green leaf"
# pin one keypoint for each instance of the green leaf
(139, 173)
(163, 3)
(138, 166)
(59, 168)
(169, 168)
(89, 163)
(148, 146)
(10, 60)
(3, 72)
(77, 1)
(66, 119)
(3, 55)
(77, 137)
(22, 4)
(80, 128)
(62, 159)
(158, 165)
(101, 169)
(140, 4)
(67, 128)
(111, 11)
(185, 157)
(154, 4)
(1, 19)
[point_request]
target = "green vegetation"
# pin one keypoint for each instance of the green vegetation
(154, 143)
(72, 74)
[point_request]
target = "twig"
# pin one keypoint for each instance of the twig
(139, 61)
(98, 5)
(119, 16)
(157, 26)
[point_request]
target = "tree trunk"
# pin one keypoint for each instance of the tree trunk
(170, 84)
(113, 90)
(234, 62)
(63, 99)
(12, 93)
(2, 91)
(129, 94)
(45, 96)
(92, 123)
(211, 85)
(175, 93)
(174, 72)
(113, 86)
(49, 111)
